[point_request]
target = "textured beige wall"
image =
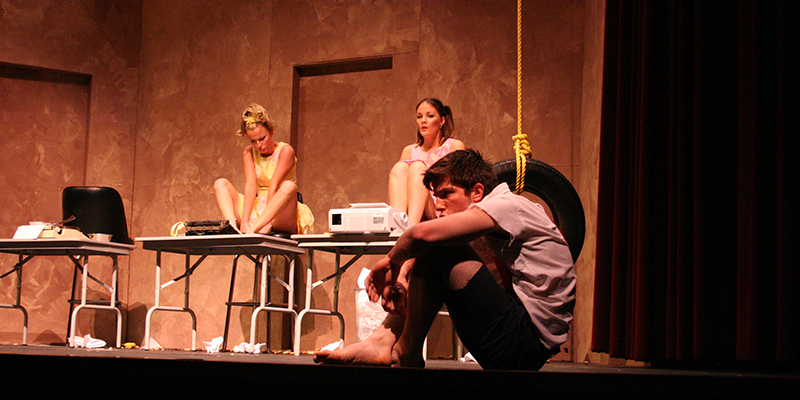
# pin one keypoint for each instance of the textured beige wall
(201, 62)
(351, 127)
(45, 136)
(587, 183)
(58, 132)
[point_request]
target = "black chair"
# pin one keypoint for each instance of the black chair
(96, 209)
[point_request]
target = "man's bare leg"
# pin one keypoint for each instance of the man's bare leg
(450, 269)
(399, 340)
(374, 350)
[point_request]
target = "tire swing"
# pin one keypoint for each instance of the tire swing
(539, 178)
(556, 191)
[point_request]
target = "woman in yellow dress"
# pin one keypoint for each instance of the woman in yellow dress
(269, 203)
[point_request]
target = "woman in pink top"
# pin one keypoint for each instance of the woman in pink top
(434, 130)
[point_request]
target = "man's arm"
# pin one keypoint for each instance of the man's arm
(452, 230)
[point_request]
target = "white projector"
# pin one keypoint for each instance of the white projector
(365, 218)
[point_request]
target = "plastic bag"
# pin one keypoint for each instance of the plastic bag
(369, 315)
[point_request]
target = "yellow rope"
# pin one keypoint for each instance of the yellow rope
(521, 147)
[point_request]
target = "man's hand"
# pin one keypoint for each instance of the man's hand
(378, 278)
(395, 299)
(389, 284)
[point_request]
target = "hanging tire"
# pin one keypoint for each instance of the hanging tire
(556, 191)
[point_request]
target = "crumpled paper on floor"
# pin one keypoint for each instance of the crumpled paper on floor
(244, 347)
(468, 358)
(214, 345)
(88, 342)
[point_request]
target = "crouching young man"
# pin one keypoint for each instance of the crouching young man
(515, 324)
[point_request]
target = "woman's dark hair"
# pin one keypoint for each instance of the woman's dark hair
(444, 111)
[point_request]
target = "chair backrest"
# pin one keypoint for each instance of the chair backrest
(96, 209)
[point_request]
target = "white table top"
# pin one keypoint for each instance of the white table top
(347, 243)
(220, 244)
(54, 246)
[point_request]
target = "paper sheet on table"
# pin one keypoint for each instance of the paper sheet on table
(28, 231)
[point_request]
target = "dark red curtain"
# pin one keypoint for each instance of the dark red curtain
(697, 249)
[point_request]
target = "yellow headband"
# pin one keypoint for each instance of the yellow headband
(251, 119)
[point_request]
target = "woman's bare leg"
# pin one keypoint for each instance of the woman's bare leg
(286, 218)
(419, 197)
(227, 199)
(398, 186)
(281, 212)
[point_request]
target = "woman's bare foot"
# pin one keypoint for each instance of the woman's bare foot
(235, 225)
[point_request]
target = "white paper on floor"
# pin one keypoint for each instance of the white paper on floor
(88, 342)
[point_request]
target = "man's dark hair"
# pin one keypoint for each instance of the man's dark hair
(464, 168)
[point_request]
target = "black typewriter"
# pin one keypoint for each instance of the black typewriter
(210, 227)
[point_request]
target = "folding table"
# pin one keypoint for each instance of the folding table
(355, 245)
(78, 251)
(252, 246)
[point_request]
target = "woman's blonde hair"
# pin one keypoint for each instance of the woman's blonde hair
(252, 116)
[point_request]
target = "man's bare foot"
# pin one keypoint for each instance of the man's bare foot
(374, 350)
(401, 360)
(367, 352)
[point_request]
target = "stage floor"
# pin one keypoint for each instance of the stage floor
(59, 370)
(183, 355)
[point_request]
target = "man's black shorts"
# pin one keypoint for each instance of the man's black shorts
(494, 325)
